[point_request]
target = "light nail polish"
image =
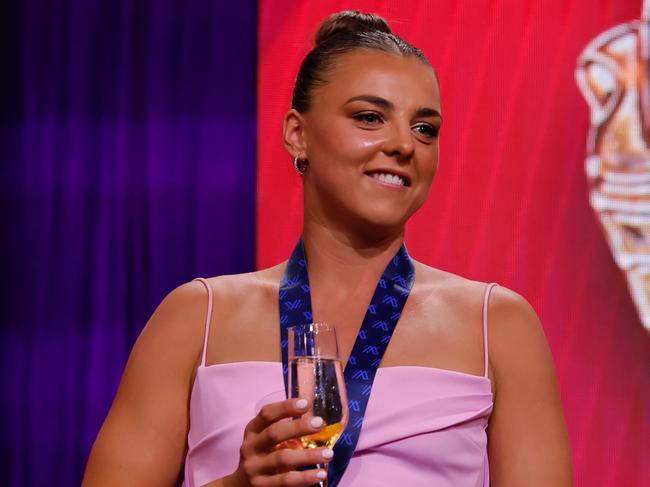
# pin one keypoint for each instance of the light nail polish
(316, 422)
(327, 453)
(301, 403)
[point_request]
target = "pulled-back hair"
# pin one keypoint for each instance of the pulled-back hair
(339, 34)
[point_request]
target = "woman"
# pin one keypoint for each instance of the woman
(363, 132)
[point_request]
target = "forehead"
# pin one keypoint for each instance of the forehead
(404, 80)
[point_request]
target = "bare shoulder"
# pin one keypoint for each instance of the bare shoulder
(180, 318)
(515, 335)
(244, 310)
(248, 281)
(517, 339)
(507, 309)
(246, 285)
(527, 435)
(455, 291)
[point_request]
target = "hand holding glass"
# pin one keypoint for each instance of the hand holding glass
(315, 374)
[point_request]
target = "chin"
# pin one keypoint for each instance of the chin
(389, 214)
(383, 223)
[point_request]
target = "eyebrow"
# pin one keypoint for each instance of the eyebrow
(383, 103)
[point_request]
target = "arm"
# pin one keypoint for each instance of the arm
(142, 441)
(527, 438)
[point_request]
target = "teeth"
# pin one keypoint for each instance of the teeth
(388, 178)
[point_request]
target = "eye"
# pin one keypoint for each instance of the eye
(369, 118)
(426, 129)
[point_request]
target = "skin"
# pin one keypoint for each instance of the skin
(349, 242)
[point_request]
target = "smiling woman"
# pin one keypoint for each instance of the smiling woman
(442, 392)
(368, 131)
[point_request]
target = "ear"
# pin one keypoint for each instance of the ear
(293, 134)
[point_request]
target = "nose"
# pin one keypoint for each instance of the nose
(399, 143)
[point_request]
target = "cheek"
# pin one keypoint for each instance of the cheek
(353, 150)
(430, 161)
(369, 143)
(338, 143)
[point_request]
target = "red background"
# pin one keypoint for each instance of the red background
(509, 203)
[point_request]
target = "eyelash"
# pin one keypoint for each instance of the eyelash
(363, 117)
(432, 131)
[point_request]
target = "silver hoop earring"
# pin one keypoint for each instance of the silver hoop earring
(300, 167)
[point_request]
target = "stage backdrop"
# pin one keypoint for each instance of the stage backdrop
(510, 202)
(127, 167)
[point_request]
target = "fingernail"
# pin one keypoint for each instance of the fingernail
(316, 422)
(321, 474)
(327, 453)
(301, 403)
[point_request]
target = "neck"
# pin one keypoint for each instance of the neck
(344, 260)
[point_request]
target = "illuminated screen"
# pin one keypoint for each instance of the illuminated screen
(543, 186)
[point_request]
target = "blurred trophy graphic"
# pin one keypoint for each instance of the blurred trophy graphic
(613, 74)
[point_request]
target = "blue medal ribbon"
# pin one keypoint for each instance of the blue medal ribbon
(374, 335)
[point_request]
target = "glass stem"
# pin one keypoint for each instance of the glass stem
(323, 483)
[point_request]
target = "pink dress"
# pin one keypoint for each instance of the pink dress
(423, 426)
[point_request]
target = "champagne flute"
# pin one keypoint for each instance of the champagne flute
(315, 374)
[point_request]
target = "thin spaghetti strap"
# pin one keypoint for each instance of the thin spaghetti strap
(208, 319)
(486, 299)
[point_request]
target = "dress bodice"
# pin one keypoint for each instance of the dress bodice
(423, 426)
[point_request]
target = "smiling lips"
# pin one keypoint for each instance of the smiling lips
(389, 179)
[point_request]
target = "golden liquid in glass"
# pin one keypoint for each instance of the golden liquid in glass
(324, 438)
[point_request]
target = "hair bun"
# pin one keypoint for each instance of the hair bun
(350, 21)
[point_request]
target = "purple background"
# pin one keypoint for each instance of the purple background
(127, 146)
